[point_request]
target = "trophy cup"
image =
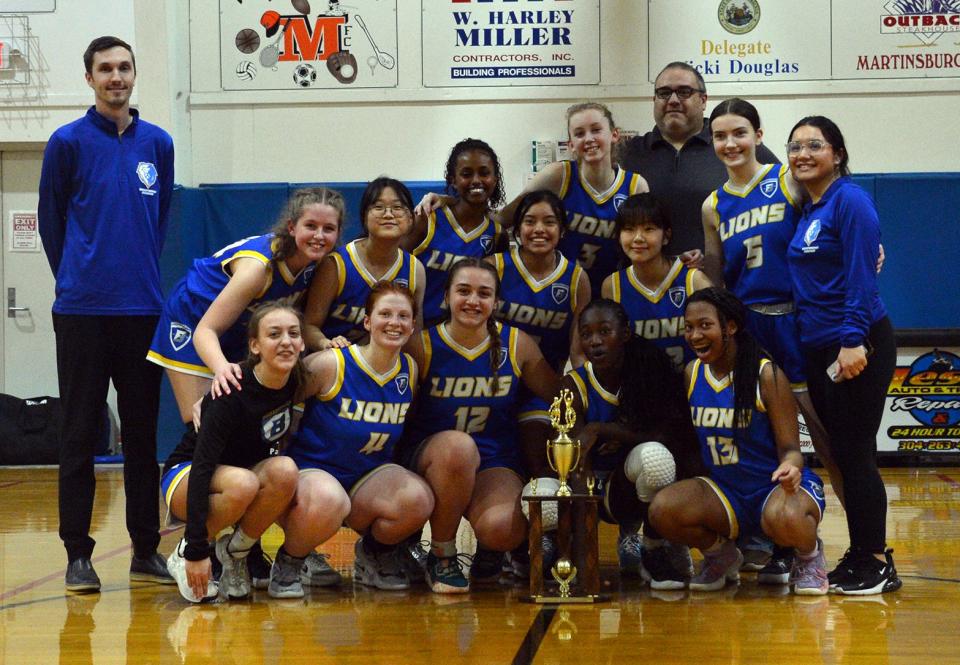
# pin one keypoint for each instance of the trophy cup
(563, 454)
(576, 571)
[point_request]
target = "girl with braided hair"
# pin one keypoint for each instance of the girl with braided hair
(463, 439)
(746, 419)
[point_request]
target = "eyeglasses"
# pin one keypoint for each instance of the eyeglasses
(813, 146)
(380, 210)
(683, 92)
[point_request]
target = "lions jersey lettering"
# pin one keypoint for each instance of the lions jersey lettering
(355, 282)
(444, 244)
(657, 314)
(756, 225)
(741, 458)
(352, 427)
(541, 308)
(464, 394)
(590, 221)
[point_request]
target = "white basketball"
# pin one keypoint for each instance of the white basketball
(304, 75)
(650, 466)
(246, 71)
(545, 487)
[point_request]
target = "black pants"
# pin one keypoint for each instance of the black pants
(851, 411)
(92, 350)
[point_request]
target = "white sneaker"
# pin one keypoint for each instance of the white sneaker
(318, 572)
(177, 567)
(235, 579)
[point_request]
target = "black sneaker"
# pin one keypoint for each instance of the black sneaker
(659, 570)
(81, 577)
(843, 567)
(258, 564)
(777, 570)
(150, 569)
(866, 575)
(486, 566)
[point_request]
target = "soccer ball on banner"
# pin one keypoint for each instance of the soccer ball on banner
(304, 75)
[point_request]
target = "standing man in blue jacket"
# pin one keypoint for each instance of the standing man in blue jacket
(105, 193)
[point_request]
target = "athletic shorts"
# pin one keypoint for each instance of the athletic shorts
(168, 485)
(350, 482)
(779, 334)
(172, 345)
(745, 508)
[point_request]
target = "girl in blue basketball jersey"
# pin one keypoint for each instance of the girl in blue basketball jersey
(463, 226)
(654, 288)
(463, 438)
(201, 335)
(635, 434)
(334, 311)
(542, 294)
(345, 446)
(748, 224)
(746, 419)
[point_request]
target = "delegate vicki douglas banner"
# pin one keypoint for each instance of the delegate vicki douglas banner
(510, 42)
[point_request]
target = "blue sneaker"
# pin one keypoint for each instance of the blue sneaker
(444, 575)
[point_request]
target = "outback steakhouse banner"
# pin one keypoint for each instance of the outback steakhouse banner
(510, 42)
(302, 44)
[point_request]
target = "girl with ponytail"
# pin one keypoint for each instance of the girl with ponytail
(463, 438)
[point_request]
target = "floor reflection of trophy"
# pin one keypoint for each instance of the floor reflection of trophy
(576, 571)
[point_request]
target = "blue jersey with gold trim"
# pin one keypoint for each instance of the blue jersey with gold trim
(589, 238)
(657, 314)
(756, 226)
(460, 392)
(352, 428)
(541, 308)
(354, 284)
(446, 243)
(599, 406)
(745, 462)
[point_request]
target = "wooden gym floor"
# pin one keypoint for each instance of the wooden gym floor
(144, 623)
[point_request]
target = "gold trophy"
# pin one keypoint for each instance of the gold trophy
(564, 572)
(563, 454)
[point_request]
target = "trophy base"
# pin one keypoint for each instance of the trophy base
(569, 600)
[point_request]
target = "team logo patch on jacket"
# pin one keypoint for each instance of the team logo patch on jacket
(147, 173)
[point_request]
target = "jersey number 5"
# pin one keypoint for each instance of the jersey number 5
(754, 247)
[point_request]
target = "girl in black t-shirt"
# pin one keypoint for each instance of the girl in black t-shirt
(231, 472)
